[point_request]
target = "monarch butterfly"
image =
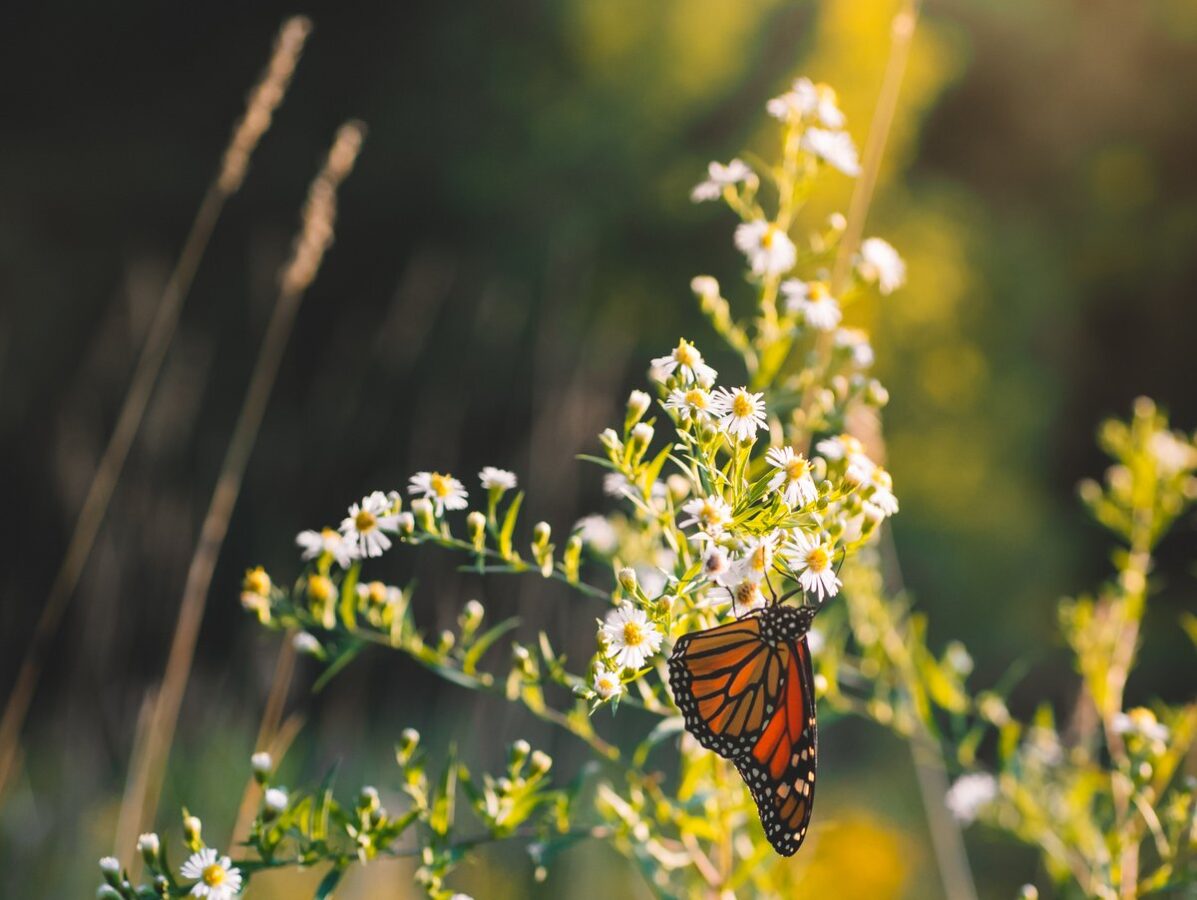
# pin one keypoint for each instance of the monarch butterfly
(746, 691)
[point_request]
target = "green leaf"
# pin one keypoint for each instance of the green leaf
(441, 819)
(508, 528)
(484, 642)
(653, 470)
(328, 883)
(1188, 622)
(343, 659)
(348, 605)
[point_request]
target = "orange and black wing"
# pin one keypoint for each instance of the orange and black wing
(780, 767)
(727, 682)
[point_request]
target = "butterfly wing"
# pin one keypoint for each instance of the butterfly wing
(780, 767)
(727, 682)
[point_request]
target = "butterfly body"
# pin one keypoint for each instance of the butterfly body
(746, 691)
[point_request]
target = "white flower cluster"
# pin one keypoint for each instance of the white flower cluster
(365, 530)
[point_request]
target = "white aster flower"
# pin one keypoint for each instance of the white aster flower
(747, 596)
(364, 526)
(754, 565)
(812, 303)
(710, 514)
(970, 794)
(856, 342)
(217, 878)
(720, 176)
(740, 412)
(444, 491)
(793, 477)
(686, 362)
(607, 683)
(880, 263)
(597, 533)
(715, 564)
(807, 101)
(694, 404)
(833, 147)
(327, 540)
(769, 249)
(630, 637)
(495, 479)
(813, 561)
(881, 502)
(616, 484)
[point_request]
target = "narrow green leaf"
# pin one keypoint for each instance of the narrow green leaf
(508, 528)
(484, 642)
(328, 883)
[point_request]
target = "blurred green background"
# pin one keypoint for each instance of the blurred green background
(515, 244)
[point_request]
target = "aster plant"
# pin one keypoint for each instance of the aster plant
(729, 493)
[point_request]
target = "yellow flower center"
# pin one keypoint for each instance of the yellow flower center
(213, 875)
(330, 536)
(633, 634)
(685, 354)
(818, 559)
(742, 407)
(747, 593)
(697, 398)
(376, 593)
(257, 582)
(768, 237)
(818, 291)
(364, 521)
(710, 513)
(440, 484)
(321, 589)
(760, 558)
(796, 468)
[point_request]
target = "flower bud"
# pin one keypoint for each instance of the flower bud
(610, 440)
(307, 644)
(471, 616)
(368, 799)
(876, 394)
(274, 803)
(193, 832)
(110, 867)
(642, 436)
(409, 740)
(519, 754)
(540, 762)
(448, 639)
(421, 507)
(704, 286)
(627, 579)
(678, 487)
(262, 764)
(638, 403)
(476, 525)
(107, 892)
(407, 524)
(148, 846)
(540, 535)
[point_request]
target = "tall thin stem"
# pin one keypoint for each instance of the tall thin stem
(260, 109)
(313, 240)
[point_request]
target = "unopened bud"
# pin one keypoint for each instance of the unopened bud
(274, 802)
(406, 524)
(704, 286)
(540, 762)
(610, 440)
(107, 892)
(368, 799)
(307, 644)
(110, 867)
(638, 403)
(627, 579)
(148, 846)
(471, 615)
(262, 764)
(193, 831)
(519, 753)
(421, 507)
(476, 525)
(642, 436)
(541, 534)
